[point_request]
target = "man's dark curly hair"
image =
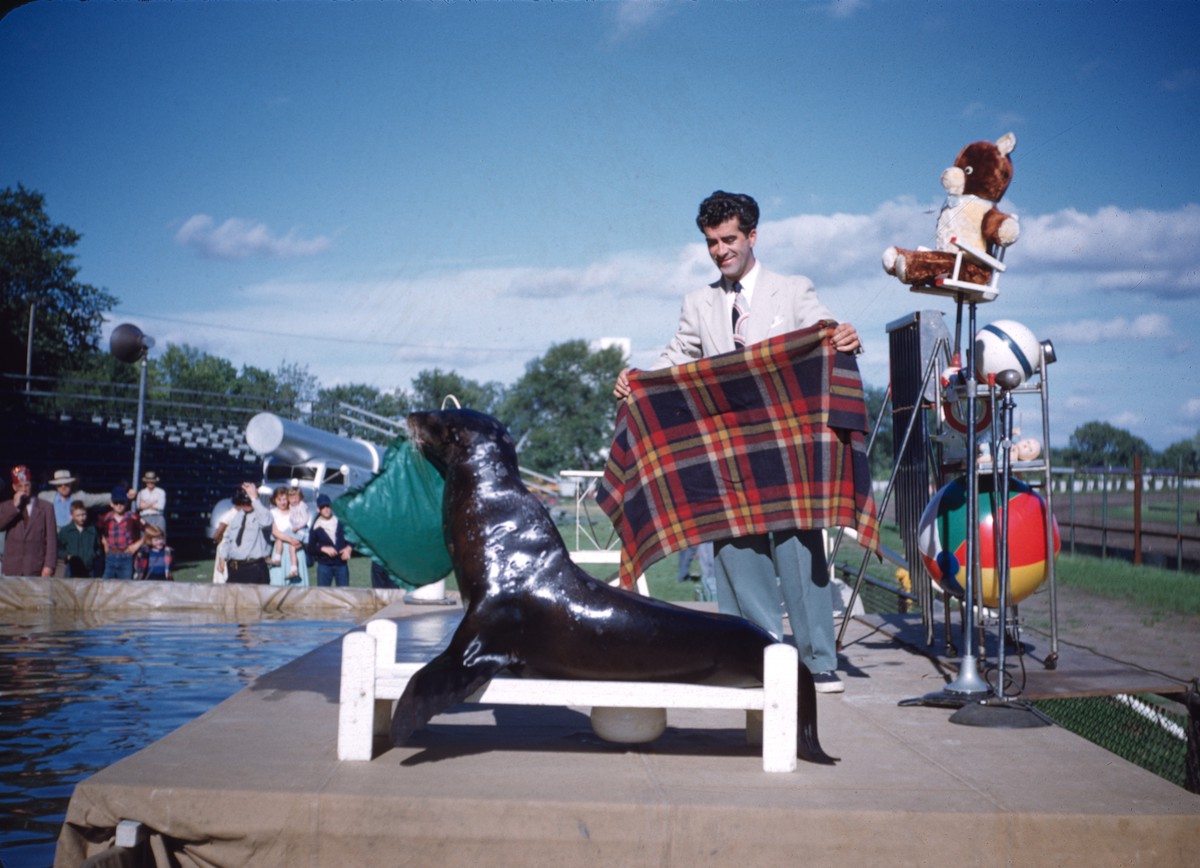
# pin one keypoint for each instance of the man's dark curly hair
(720, 206)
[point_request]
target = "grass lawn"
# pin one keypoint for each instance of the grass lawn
(1152, 588)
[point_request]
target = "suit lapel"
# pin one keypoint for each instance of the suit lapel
(764, 308)
(717, 323)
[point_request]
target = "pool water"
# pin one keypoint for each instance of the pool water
(78, 695)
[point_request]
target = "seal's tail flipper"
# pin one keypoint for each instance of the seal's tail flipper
(807, 745)
(444, 683)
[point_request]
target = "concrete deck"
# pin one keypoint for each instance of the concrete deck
(256, 781)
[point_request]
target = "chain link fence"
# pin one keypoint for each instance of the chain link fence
(1147, 730)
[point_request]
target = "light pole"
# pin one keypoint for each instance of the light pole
(128, 344)
(29, 346)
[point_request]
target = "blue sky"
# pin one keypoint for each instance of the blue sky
(372, 189)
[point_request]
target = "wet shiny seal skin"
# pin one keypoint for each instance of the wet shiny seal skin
(530, 609)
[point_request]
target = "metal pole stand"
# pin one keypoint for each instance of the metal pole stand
(968, 685)
(1000, 711)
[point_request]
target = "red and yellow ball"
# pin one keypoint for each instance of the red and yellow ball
(942, 539)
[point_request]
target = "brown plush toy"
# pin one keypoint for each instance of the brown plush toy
(974, 184)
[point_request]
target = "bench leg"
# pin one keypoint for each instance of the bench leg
(780, 679)
(357, 708)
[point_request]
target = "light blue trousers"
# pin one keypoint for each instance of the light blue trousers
(759, 577)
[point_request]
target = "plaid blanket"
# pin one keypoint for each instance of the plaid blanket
(761, 439)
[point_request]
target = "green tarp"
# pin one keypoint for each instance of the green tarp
(396, 518)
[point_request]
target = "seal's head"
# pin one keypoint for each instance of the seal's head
(452, 437)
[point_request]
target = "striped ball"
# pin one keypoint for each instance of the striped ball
(1006, 345)
(942, 540)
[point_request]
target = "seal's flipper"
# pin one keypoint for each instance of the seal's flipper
(443, 683)
(807, 746)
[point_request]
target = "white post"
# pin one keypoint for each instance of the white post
(385, 634)
(356, 707)
(780, 679)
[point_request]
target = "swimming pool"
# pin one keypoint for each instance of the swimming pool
(79, 692)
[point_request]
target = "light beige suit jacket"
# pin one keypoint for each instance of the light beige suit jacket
(781, 304)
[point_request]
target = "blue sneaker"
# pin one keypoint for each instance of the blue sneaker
(828, 682)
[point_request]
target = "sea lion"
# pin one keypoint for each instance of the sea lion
(530, 609)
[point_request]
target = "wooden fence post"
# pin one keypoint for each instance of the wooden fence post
(1137, 510)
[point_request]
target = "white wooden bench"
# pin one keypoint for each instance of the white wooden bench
(372, 680)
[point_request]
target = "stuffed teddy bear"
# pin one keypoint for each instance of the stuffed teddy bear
(974, 184)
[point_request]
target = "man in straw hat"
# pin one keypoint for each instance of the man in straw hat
(151, 502)
(62, 494)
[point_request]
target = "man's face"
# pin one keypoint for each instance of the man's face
(23, 489)
(79, 516)
(64, 490)
(731, 249)
(119, 506)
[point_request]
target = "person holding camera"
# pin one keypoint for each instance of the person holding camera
(31, 545)
(245, 540)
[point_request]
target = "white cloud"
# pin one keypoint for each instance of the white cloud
(1150, 252)
(845, 8)
(1128, 420)
(1191, 409)
(635, 16)
(1147, 327)
(1181, 80)
(241, 239)
(1117, 355)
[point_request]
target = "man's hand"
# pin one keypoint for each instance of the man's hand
(621, 389)
(845, 338)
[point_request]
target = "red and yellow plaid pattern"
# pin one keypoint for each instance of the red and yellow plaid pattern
(761, 439)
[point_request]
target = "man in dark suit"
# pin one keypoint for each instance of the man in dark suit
(761, 575)
(31, 547)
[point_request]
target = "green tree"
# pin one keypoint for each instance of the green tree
(257, 386)
(97, 382)
(297, 389)
(37, 270)
(1099, 444)
(561, 410)
(882, 451)
(181, 366)
(431, 387)
(1183, 454)
(329, 414)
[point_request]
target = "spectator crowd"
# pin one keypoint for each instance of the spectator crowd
(122, 534)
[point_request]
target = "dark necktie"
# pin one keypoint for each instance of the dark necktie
(741, 312)
(241, 530)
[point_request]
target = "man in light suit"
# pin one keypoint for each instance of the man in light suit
(759, 576)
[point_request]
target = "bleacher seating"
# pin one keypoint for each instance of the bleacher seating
(99, 452)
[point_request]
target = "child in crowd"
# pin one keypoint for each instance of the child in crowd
(287, 557)
(121, 536)
(328, 547)
(79, 544)
(155, 558)
(298, 511)
(298, 514)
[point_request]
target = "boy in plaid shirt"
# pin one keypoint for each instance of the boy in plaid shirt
(155, 559)
(121, 535)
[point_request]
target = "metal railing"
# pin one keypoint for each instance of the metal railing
(1146, 515)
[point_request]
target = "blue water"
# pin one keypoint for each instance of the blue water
(76, 697)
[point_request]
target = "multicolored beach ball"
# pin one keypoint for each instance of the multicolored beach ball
(942, 539)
